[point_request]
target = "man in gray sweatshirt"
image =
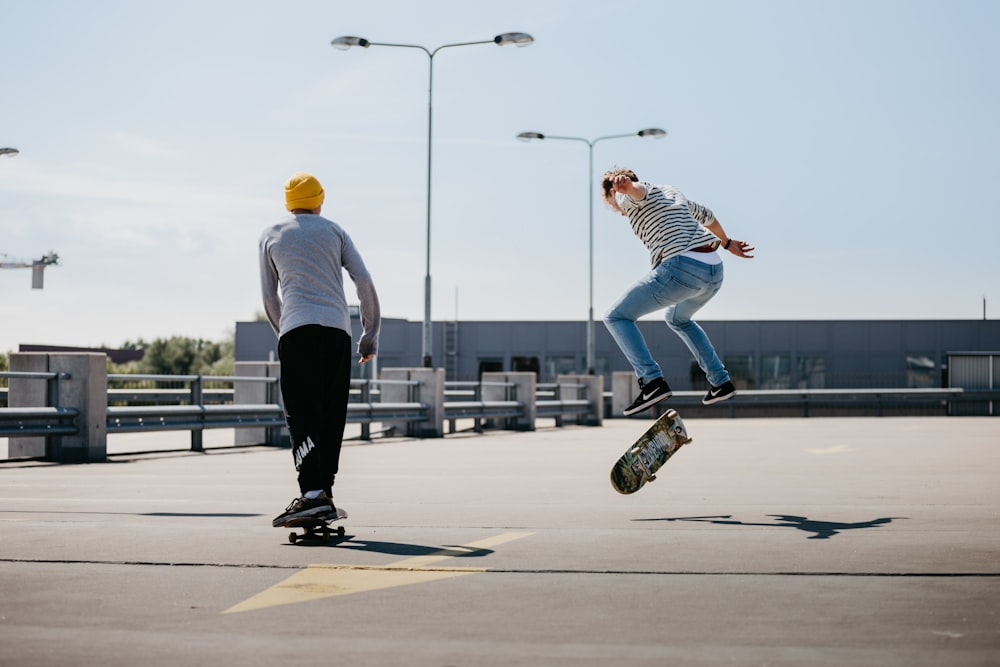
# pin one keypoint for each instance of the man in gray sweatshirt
(302, 263)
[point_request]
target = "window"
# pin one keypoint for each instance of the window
(775, 371)
(698, 380)
(557, 365)
(524, 365)
(740, 367)
(811, 372)
(921, 371)
(490, 365)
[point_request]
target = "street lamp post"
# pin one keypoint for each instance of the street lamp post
(654, 132)
(346, 42)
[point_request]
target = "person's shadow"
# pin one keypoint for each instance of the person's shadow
(821, 530)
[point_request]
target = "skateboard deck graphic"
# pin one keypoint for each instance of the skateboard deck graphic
(316, 528)
(646, 455)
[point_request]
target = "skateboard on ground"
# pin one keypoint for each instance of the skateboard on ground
(316, 528)
(646, 455)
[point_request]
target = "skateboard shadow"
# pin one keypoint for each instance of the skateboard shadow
(210, 515)
(402, 549)
(821, 530)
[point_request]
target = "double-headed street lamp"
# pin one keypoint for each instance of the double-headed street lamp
(346, 42)
(648, 132)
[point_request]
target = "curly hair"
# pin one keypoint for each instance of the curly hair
(608, 181)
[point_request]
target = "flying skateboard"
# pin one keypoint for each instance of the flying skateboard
(316, 528)
(646, 455)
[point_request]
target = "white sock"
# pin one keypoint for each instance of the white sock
(312, 495)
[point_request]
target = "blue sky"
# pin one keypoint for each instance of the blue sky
(855, 143)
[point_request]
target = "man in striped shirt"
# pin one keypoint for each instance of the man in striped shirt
(682, 238)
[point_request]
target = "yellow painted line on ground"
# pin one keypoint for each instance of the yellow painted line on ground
(322, 581)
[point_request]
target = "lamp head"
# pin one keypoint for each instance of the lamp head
(347, 41)
(654, 132)
(518, 38)
(528, 136)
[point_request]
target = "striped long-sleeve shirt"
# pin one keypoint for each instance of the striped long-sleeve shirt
(666, 222)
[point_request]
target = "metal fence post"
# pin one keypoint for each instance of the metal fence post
(366, 397)
(197, 398)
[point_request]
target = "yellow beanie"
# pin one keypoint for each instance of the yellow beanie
(303, 191)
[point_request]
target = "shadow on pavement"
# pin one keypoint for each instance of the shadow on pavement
(821, 530)
(398, 548)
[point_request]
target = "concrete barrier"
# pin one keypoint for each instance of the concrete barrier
(83, 387)
(429, 391)
(248, 392)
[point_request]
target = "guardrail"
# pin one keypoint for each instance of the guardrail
(149, 403)
(138, 403)
(363, 409)
(558, 404)
(30, 422)
(45, 421)
(808, 402)
(189, 410)
(468, 403)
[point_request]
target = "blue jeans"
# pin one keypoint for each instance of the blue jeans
(681, 285)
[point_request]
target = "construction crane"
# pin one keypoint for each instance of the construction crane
(37, 266)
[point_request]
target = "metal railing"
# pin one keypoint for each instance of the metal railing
(468, 403)
(195, 403)
(52, 419)
(810, 402)
(557, 406)
(363, 409)
(189, 410)
(199, 407)
(148, 403)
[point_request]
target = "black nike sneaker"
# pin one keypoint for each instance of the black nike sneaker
(306, 508)
(649, 395)
(720, 393)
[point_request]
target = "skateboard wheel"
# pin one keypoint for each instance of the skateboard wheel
(340, 531)
(293, 537)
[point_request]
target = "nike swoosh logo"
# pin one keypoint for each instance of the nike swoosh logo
(715, 392)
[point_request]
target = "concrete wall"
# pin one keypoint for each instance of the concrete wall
(851, 353)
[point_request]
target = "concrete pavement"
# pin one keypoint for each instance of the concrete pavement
(843, 541)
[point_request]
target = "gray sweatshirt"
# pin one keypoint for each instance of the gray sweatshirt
(304, 256)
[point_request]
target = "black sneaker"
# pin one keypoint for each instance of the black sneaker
(721, 393)
(649, 395)
(306, 508)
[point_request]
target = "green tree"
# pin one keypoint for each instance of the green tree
(180, 355)
(170, 356)
(4, 365)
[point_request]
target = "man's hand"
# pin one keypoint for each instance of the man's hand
(740, 248)
(366, 358)
(626, 186)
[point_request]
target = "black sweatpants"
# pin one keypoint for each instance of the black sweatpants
(315, 386)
